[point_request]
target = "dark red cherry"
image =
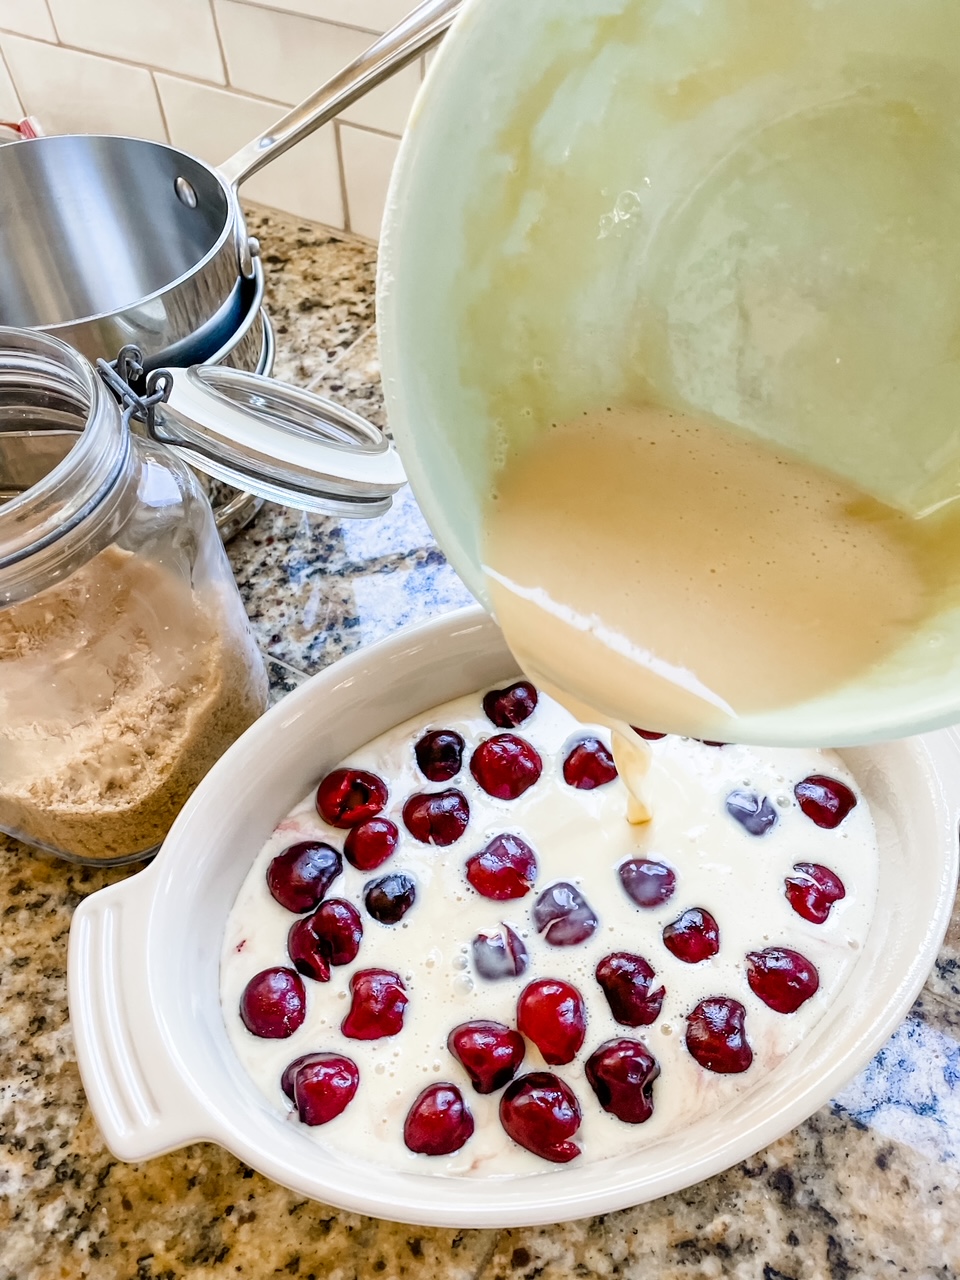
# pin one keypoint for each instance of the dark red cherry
(813, 890)
(369, 844)
(300, 876)
(331, 936)
(338, 926)
(825, 801)
(621, 1073)
(323, 1086)
(390, 898)
(627, 982)
(716, 1036)
(437, 817)
(588, 765)
(708, 742)
(505, 869)
(290, 1071)
(377, 1008)
(754, 813)
(505, 766)
(783, 979)
(306, 951)
(648, 734)
(439, 1121)
(563, 915)
(693, 936)
(511, 706)
(499, 955)
(274, 1003)
(347, 797)
(489, 1052)
(440, 754)
(646, 882)
(541, 1113)
(552, 1014)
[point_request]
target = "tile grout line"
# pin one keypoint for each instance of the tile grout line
(53, 21)
(16, 91)
(126, 62)
(163, 115)
(220, 44)
(293, 13)
(342, 171)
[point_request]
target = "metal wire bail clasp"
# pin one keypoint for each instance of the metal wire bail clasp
(138, 392)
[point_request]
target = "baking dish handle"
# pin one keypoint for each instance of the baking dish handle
(136, 1092)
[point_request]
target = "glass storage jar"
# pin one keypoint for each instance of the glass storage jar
(127, 664)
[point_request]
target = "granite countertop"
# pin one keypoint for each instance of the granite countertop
(866, 1187)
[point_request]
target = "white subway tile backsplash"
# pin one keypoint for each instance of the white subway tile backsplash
(72, 92)
(368, 160)
(178, 35)
(215, 74)
(214, 123)
(10, 108)
(27, 18)
(285, 57)
(373, 15)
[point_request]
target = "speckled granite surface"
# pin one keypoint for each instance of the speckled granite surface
(868, 1187)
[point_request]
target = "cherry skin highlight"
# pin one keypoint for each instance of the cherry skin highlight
(439, 1121)
(563, 916)
(290, 1071)
(812, 890)
(589, 765)
(437, 817)
(826, 801)
(646, 882)
(347, 797)
(274, 1003)
(541, 1113)
(621, 1073)
(324, 1086)
(505, 869)
(716, 1036)
(693, 936)
(505, 766)
(439, 754)
(627, 982)
(552, 1014)
(369, 844)
(377, 1007)
(299, 876)
(782, 978)
(499, 955)
(511, 706)
(489, 1052)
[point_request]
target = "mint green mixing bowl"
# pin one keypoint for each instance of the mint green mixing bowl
(731, 206)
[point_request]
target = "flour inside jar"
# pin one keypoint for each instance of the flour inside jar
(661, 569)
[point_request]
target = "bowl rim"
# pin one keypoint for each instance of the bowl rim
(188, 1111)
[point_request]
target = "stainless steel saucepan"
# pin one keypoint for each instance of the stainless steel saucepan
(107, 241)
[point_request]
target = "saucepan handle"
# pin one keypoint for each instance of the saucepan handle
(404, 42)
(137, 1094)
(278, 441)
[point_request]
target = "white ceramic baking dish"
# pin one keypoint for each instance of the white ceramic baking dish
(160, 1072)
